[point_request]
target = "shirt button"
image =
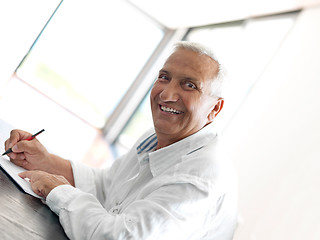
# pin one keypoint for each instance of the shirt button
(116, 210)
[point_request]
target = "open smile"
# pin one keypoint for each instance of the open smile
(170, 110)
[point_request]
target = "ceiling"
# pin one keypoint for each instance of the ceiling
(189, 13)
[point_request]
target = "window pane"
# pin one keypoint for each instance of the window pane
(245, 48)
(89, 54)
(140, 121)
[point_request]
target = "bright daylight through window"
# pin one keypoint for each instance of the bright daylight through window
(88, 56)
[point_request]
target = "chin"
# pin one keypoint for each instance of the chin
(164, 130)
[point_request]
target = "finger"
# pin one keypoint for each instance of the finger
(18, 148)
(25, 146)
(27, 174)
(16, 135)
(18, 159)
(20, 162)
(12, 155)
(35, 184)
(7, 144)
(38, 188)
(41, 182)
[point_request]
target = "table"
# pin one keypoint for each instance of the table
(25, 217)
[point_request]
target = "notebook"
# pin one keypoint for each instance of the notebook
(12, 169)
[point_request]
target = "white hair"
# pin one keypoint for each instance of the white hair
(216, 85)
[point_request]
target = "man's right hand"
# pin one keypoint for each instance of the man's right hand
(31, 155)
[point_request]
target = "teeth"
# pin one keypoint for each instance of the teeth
(170, 110)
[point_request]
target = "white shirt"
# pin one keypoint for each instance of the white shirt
(184, 191)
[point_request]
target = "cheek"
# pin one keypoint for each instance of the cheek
(154, 91)
(191, 104)
(197, 109)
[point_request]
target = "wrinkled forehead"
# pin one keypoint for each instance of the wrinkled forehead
(188, 60)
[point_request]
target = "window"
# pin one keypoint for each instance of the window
(140, 121)
(245, 48)
(89, 54)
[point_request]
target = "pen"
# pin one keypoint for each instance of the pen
(28, 139)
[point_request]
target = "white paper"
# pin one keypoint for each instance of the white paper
(13, 170)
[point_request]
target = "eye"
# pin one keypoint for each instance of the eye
(190, 85)
(163, 77)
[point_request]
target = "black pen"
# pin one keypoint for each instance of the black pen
(28, 139)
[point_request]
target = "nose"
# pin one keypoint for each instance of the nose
(170, 92)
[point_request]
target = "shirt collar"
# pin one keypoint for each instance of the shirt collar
(148, 144)
(162, 159)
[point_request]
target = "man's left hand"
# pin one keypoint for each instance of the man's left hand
(42, 182)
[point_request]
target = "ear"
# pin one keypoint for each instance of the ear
(216, 109)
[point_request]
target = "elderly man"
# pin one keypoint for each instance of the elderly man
(172, 184)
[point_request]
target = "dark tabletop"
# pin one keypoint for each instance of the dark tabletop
(23, 216)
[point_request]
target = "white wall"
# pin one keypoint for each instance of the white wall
(274, 141)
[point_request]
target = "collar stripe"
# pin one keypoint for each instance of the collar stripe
(150, 140)
(152, 146)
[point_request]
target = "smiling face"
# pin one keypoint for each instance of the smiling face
(180, 98)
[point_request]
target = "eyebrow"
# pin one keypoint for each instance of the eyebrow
(196, 81)
(163, 71)
(183, 77)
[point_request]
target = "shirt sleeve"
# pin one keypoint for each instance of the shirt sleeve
(93, 180)
(90, 180)
(176, 211)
